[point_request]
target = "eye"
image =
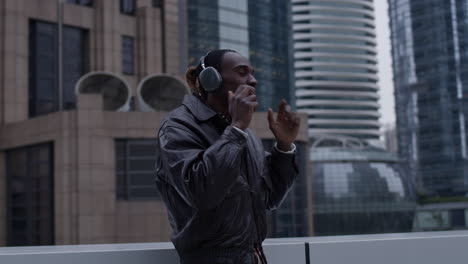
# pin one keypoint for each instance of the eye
(242, 72)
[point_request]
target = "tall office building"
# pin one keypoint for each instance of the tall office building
(335, 67)
(259, 30)
(430, 63)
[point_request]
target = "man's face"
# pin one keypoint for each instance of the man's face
(236, 70)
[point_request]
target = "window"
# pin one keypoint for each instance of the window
(158, 3)
(81, 2)
(75, 62)
(127, 55)
(135, 169)
(43, 69)
(127, 7)
(30, 192)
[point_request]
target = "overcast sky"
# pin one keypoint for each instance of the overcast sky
(387, 100)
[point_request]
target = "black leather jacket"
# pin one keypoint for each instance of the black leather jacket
(217, 184)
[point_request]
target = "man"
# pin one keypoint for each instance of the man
(213, 174)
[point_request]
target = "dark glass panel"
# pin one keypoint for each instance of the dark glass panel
(135, 169)
(30, 211)
(127, 7)
(128, 55)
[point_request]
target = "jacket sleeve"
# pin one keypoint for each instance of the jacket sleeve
(280, 171)
(201, 176)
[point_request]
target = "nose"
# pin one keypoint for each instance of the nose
(252, 81)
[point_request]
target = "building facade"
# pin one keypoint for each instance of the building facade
(335, 67)
(430, 64)
(74, 170)
(259, 30)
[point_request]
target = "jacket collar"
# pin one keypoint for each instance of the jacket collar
(199, 109)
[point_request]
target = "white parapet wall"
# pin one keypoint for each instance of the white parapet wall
(448, 247)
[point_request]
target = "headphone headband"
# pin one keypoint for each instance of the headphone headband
(202, 60)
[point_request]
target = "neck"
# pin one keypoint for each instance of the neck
(216, 103)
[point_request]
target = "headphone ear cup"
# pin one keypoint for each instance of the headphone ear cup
(210, 79)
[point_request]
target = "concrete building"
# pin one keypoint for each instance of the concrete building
(335, 67)
(79, 169)
(58, 154)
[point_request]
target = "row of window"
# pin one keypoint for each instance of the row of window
(342, 117)
(334, 5)
(343, 89)
(337, 79)
(325, 21)
(344, 50)
(127, 7)
(345, 126)
(337, 107)
(336, 58)
(338, 98)
(332, 13)
(340, 69)
(44, 65)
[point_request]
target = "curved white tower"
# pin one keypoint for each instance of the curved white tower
(336, 67)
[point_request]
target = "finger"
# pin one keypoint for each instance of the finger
(249, 89)
(251, 98)
(255, 106)
(289, 114)
(282, 106)
(293, 120)
(271, 118)
(245, 90)
(297, 121)
(252, 90)
(239, 89)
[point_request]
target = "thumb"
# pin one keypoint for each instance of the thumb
(271, 118)
(230, 95)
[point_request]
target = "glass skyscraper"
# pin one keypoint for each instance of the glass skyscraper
(259, 30)
(430, 64)
(335, 67)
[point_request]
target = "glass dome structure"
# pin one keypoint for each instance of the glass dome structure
(358, 189)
